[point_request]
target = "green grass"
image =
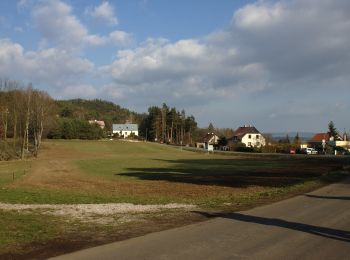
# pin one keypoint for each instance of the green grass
(35, 196)
(155, 174)
(12, 170)
(18, 229)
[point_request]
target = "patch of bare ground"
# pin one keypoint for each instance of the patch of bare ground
(95, 213)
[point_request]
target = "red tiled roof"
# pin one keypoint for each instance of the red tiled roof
(320, 136)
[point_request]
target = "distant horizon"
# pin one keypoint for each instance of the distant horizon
(280, 65)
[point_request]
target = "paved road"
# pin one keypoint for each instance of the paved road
(311, 226)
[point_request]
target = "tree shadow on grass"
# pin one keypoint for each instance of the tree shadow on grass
(331, 233)
(229, 173)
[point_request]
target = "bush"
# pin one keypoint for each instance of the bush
(68, 128)
(241, 147)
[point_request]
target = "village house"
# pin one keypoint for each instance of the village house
(319, 138)
(101, 124)
(209, 139)
(125, 130)
(249, 136)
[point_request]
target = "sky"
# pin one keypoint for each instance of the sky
(281, 65)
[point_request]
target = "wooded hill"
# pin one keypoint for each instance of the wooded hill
(97, 109)
(163, 124)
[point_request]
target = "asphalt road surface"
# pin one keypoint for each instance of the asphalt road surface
(310, 226)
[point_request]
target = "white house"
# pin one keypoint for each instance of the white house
(248, 135)
(209, 139)
(125, 129)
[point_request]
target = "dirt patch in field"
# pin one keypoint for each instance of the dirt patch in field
(95, 213)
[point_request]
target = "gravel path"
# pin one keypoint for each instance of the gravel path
(87, 212)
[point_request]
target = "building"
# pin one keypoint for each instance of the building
(319, 138)
(249, 136)
(125, 130)
(101, 124)
(209, 139)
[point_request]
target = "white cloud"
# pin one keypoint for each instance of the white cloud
(55, 21)
(51, 66)
(258, 15)
(104, 12)
(117, 38)
(59, 27)
(120, 38)
(269, 46)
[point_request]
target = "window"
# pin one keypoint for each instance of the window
(257, 136)
(249, 144)
(257, 143)
(250, 136)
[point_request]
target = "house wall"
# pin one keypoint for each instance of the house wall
(214, 139)
(255, 140)
(126, 133)
(342, 143)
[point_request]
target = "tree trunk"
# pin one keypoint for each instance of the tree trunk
(14, 130)
(25, 144)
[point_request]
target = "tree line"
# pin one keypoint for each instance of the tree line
(168, 125)
(24, 113)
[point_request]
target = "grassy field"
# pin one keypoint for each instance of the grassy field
(70, 172)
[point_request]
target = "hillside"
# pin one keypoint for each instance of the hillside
(97, 109)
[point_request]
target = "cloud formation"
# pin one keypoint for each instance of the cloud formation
(59, 27)
(268, 46)
(272, 54)
(53, 66)
(104, 12)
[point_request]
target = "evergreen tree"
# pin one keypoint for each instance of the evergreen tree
(287, 139)
(297, 139)
(332, 131)
(211, 128)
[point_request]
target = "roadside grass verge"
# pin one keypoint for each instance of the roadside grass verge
(18, 229)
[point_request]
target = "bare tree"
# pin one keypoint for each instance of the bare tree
(41, 109)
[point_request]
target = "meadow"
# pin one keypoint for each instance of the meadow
(100, 172)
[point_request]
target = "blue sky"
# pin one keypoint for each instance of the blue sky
(281, 65)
